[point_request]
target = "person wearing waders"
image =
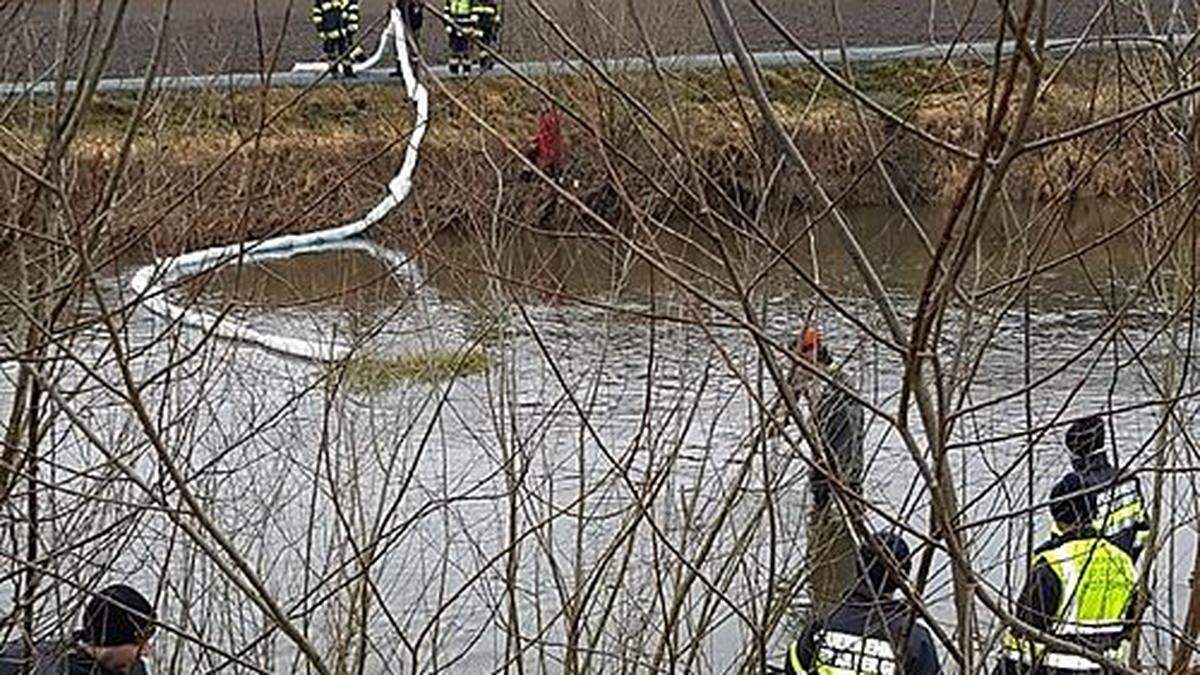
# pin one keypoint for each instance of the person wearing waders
(327, 16)
(487, 27)
(837, 419)
(1121, 515)
(118, 624)
(461, 28)
(1079, 589)
(869, 632)
(413, 14)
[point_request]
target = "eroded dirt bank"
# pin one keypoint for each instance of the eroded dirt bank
(200, 173)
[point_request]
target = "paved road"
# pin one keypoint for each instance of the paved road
(224, 36)
(377, 75)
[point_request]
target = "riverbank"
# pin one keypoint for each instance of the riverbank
(200, 173)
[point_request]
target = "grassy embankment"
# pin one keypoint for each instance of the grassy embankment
(293, 176)
(200, 174)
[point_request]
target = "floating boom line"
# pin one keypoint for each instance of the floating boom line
(151, 281)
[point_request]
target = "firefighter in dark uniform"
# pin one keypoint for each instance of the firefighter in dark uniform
(1121, 515)
(869, 632)
(487, 25)
(329, 18)
(461, 28)
(413, 14)
(351, 19)
(1080, 589)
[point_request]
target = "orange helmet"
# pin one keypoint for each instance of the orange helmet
(810, 340)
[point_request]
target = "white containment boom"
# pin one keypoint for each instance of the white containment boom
(151, 282)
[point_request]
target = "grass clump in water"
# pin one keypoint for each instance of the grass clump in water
(369, 374)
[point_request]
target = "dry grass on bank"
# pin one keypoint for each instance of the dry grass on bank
(294, 176)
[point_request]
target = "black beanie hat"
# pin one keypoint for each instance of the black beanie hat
(117, 615)
(1085, 436)
(873, 567)
(1069, 505)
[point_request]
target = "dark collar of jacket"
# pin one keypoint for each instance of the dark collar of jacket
(862, 595)
(1097, 461)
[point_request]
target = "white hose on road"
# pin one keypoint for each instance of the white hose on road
(151, 282)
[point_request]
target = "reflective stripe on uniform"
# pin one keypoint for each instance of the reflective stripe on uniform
(1091, 630)
(464, 25)
(1056, 660)
(1032, 654)
(1127, 515)
(1013, 650)
(794, 657)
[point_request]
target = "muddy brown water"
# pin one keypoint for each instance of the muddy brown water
(233, 35)
(585, 400)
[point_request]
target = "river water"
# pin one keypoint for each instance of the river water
(559, 488)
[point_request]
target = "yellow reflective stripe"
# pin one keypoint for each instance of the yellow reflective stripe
(794, 657)
(1129, 514)
(1060, 563)
(1020, 649)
